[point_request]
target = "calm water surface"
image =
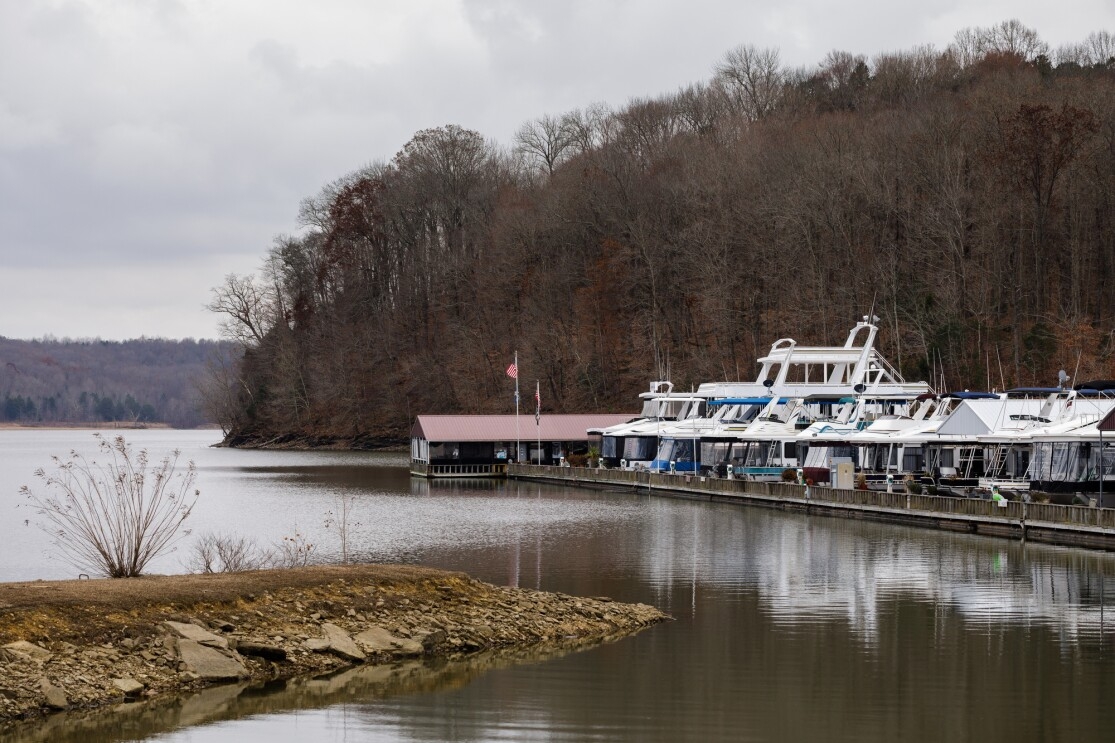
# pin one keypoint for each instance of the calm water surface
(789, 627)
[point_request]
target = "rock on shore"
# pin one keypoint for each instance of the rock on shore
(79, 644)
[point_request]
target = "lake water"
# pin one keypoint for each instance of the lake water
(788, 626)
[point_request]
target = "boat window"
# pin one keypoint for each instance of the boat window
(757, 455)
(683, 450)
(913, 459)
(608, 447)
(790, 450)
(817, 457)
(715, 452)
(1041, 457)
(639, 448)
(676, 450)
(1062, 461)
(1108, 462)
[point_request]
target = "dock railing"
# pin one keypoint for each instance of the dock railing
(1020, 517)
(425, 469)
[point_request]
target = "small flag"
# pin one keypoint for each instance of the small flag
(537, 404)
(513, 371)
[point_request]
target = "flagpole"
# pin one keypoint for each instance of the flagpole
(537, 416)
(517, 406)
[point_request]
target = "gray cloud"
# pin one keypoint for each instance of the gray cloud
(148, 148)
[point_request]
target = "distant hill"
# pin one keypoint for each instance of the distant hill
(142, 381)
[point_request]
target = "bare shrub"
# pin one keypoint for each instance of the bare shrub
(224, 553)
(115, 516)
(294, 551)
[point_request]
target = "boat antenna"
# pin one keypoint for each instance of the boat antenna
(999, 359)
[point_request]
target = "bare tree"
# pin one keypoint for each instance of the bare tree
(1011, 37)
(247, 306)
(546, 140)
(753, 79)
(1006, 38)
(1096, 50)
(1100, 48)
(341, 520)
(590, 127)
(114, 517)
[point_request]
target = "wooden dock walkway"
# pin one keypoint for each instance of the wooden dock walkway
(1077, 526)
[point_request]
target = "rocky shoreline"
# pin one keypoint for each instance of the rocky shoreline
(72, 645)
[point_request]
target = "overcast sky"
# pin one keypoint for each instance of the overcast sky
(150, 147)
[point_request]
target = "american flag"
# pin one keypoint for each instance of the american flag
(513, 371)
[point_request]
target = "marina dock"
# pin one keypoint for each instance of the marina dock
(1077, 526)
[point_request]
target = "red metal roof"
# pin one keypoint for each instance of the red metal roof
(551, 427)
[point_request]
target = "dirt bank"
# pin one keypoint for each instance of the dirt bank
(81, 644)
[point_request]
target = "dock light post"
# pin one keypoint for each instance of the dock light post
(673, 467)
(890, 483)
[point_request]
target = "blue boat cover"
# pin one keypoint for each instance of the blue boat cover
(965, 395)
(1021, 391)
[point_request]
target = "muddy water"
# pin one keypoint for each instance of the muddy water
(789, 627)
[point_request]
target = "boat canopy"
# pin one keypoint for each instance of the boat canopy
(966, 395)
(1030, 391)
(1102, 385)
(747, 401)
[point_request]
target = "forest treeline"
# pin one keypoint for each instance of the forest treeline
(964, 196)
(148, 380)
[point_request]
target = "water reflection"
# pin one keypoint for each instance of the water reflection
(803, 567)
(790, 626)
(228, 702)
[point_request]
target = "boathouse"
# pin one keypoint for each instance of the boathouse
(482, 445)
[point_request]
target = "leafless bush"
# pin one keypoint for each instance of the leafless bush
(115, 516)
(223, 553)
(294, 551)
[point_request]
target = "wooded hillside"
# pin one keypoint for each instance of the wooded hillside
(966, 197)
(92, 381)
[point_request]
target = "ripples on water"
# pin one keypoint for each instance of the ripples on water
(789, 627)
